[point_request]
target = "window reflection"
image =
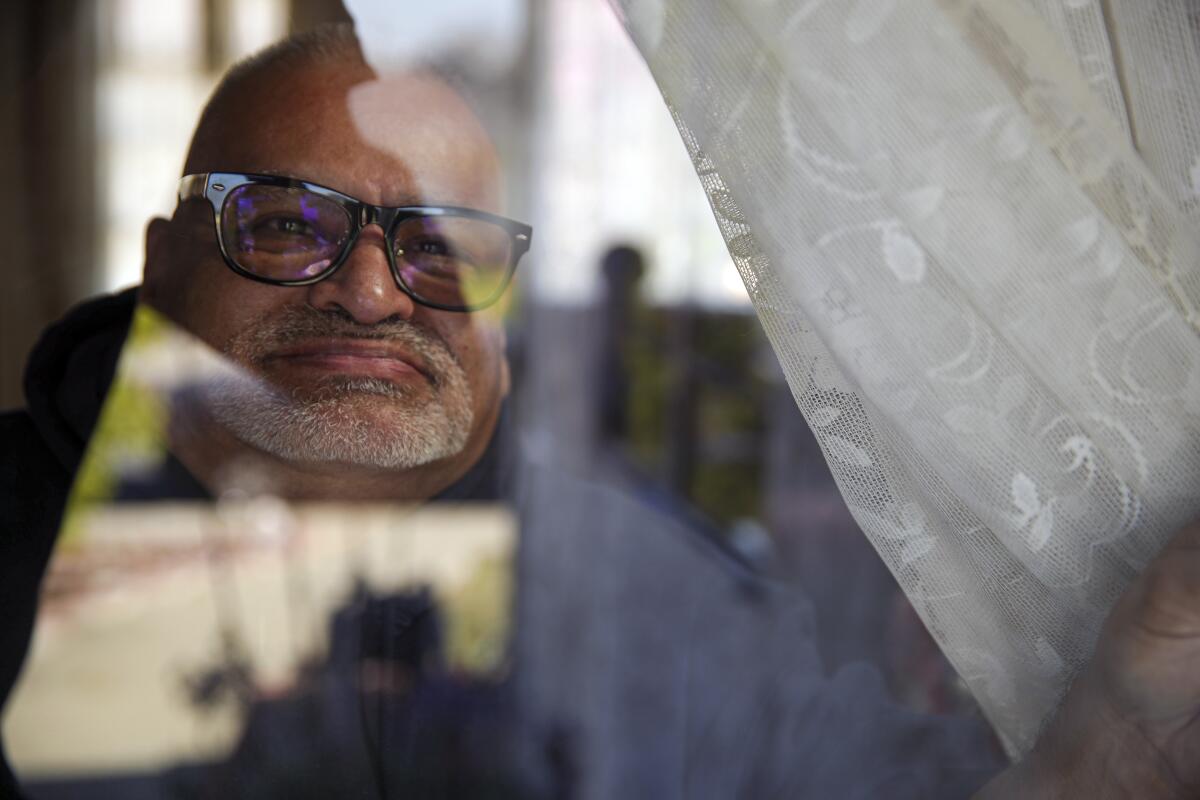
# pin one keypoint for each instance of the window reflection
(659, 595)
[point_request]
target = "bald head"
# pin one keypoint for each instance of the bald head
(328, 45)
(320, 81)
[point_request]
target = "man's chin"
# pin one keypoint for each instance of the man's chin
(370, 427)
(378, 416)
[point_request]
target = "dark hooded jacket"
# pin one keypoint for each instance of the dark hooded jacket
(66, 380)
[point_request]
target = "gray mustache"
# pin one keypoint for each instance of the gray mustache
(298, 323)
(303, 323)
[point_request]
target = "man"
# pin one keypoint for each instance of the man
(367, 377)
(367, 365)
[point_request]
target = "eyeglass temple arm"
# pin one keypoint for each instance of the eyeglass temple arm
(191, 186)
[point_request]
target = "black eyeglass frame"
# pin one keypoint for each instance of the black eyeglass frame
(217, 186)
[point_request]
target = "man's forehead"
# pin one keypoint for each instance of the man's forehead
(400, 140)
(395, 186)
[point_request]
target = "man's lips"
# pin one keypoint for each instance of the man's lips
(374, 358)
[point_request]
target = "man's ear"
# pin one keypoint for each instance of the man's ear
(154, 274)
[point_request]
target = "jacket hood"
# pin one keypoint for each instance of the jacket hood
(70, 369)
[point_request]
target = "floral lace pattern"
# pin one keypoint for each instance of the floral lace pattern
(970, 230)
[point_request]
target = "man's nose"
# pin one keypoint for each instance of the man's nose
(363, 286)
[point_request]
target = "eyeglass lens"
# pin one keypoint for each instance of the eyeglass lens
(291, 234)
(453, 261)
(283, 233)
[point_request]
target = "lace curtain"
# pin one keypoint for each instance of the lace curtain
(970, 229)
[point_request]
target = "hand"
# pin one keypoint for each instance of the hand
(1130, 725)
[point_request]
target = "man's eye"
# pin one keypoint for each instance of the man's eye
(431, 247)
(290, 226)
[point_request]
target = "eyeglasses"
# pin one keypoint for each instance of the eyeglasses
(293, 233)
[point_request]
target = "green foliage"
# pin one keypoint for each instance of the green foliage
(131, 427)
(716, 366)
(478, 614)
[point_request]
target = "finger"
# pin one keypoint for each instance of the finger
(1167, 599)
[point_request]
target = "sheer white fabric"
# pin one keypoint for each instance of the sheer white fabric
(970, 230)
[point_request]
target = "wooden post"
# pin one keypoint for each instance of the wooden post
(47, 165)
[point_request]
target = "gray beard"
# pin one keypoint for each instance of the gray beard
(360, 421)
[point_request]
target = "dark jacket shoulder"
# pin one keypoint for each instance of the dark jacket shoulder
(66, 380)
